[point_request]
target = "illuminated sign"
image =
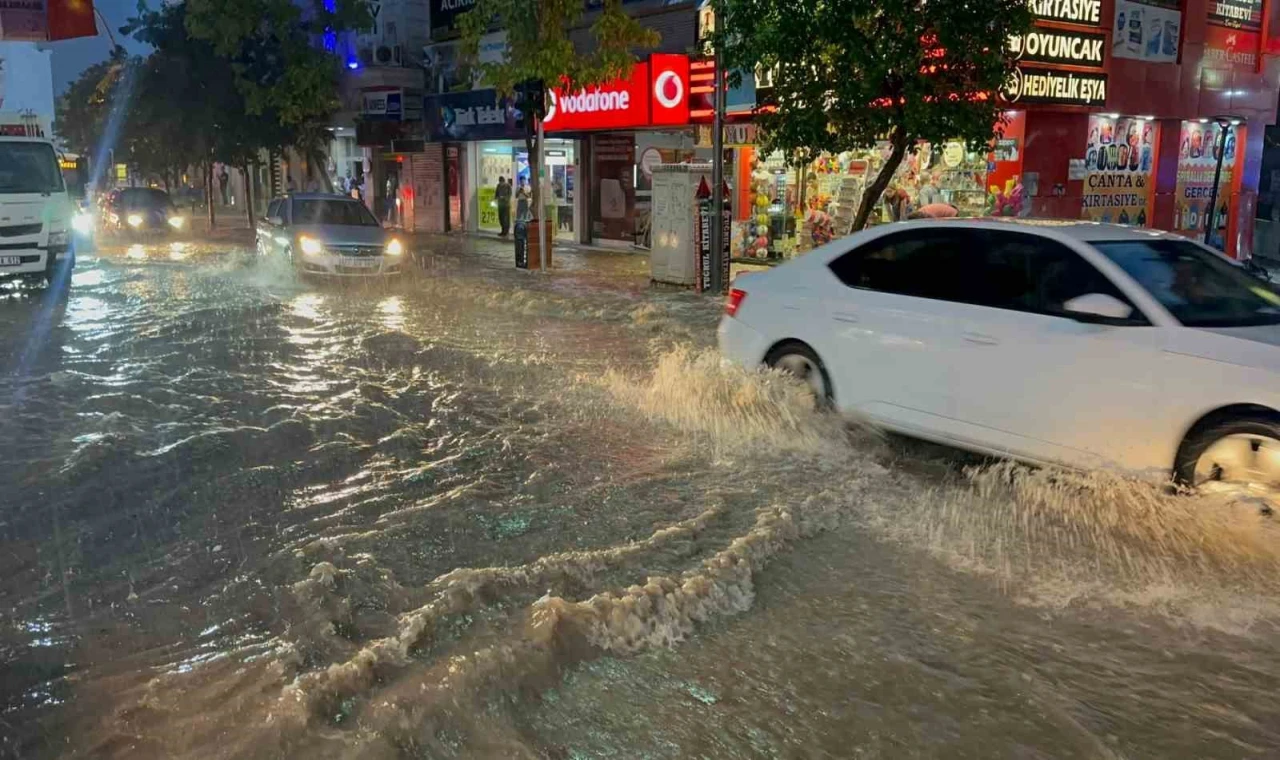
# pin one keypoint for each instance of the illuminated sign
(1237, 14)
(1074, 88)
(66, 164)
(656, 93)
(1062, 47)
(1086, 12)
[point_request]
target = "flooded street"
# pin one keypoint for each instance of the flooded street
(480, 513)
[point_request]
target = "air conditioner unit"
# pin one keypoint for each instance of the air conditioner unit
(384, 54)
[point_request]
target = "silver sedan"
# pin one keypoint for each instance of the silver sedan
(331, 235)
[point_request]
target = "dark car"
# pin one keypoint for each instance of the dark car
(141, 209)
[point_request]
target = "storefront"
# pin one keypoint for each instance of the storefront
(508, 160)
(1120, 119)
(625, 127)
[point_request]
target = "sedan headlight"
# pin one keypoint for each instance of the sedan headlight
(134, 220)
(394, 247)
(177, 222)
(310, 245)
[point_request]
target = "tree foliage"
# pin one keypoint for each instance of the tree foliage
(849, 73)
(539, 51)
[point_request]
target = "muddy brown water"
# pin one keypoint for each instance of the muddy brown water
(475, 513)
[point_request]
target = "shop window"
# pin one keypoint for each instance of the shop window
(1029, 273)
(924, 264)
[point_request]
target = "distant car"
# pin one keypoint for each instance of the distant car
(1089, 345)
(137, 210)
(327, 234)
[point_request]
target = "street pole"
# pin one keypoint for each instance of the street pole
(717, 179)
(1212, 216)
(544, 240)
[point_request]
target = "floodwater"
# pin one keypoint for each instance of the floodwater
(481, 513)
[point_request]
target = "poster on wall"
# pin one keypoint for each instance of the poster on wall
(1146, 32)
(1119, 163)
(613, 212)
(1199, 145)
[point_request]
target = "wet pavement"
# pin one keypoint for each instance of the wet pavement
(473, 512)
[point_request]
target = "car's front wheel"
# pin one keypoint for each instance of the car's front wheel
(802, 362)
(1241, 453)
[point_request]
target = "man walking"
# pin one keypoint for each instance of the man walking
(502, 194)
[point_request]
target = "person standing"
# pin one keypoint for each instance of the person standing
(502, 195)
(223, 178)
(523, 196)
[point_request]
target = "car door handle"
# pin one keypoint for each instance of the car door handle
(981, 339)
(844, 316)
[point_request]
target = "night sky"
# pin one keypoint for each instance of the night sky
(70, 57)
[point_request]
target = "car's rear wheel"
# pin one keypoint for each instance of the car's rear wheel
(1240, 454)
(802, 362)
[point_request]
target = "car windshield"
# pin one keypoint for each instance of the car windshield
(348, 213)
(28, 167)
(144, 198)
(1198, 287)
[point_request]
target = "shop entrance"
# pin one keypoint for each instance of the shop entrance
(509, 160)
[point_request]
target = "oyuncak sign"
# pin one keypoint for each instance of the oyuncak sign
(656, 94)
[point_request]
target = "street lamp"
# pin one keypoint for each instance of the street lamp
(1225, 123)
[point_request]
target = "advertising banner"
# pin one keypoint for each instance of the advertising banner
(1146, 32)
(1076, 88)
(1119, 166)
(1199, 145)
(1054, 46)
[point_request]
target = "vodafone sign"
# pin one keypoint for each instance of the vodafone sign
(656, 93)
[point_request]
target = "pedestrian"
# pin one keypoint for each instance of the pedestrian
(502, 194)
(223, 177)
(523, 196)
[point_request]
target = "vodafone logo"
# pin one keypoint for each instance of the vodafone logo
(583, 102)
(668, 89)
(656, 93)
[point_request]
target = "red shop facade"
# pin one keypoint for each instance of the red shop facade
(1121, 110)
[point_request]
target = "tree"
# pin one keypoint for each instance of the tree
(849, 73)
(539, 53)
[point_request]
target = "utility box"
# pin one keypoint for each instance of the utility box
(673, 251)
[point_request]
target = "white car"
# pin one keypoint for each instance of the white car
(1087, 345)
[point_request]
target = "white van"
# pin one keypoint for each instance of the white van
(35, 210)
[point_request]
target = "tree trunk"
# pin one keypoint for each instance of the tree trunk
(208, 194)
(871, 195)
(246, 172)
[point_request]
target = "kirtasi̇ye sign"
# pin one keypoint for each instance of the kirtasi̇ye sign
(1054, 47)
(1119, 165)
(1076, 88)
(1058, 46)
(1083, 12)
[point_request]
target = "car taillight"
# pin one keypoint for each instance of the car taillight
(734, 302)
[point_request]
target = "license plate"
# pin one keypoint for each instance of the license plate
(351, 261)
(10, 261)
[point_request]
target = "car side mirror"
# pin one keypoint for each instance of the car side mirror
(276, 220)
(1098, 305)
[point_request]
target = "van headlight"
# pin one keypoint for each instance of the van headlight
(134, 220)
(310, 246)
(57, 238)
(394, 247)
